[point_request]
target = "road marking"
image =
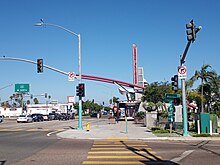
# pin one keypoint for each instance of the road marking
(183, 155)
(114, 145)
(119, 152)
(118, 142)
(117, 138)
(112, 162)
(50, 133)
(115, 149)
(5, 129)
(30, 130)
(122, 157)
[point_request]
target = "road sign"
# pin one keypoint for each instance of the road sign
(182, 72)
(71, 76)
(22, 88)
(71, 99)
(171, 97)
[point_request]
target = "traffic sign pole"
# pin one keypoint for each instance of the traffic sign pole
(182, 75)
(185, 122)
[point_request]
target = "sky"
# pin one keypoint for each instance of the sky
(108, 28)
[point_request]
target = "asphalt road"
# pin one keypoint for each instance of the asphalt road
(37, 143)
(188, 152)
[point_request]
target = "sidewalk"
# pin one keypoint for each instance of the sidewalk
(104, 130)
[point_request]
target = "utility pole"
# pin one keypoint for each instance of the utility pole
(191, 36)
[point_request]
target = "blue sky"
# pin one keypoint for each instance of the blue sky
(108, 30)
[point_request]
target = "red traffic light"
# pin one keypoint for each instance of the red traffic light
(80, 90)
(39, 65)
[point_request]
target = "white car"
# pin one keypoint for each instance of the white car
(24, 119)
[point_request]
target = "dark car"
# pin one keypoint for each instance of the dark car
(64, 116)
(47, 117)
(37, 117)
(54, 116)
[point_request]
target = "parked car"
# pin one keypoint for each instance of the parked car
(47, 117)
(24, 119)
(1, 118)
(37, 117)
(64, 116)
(52, 116)
(93, 114)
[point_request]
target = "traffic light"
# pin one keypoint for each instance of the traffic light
(174, 80)
(82, 90)
(39, 65)
(176, 101)
(77, 90)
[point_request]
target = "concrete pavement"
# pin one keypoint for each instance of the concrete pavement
(101, 129)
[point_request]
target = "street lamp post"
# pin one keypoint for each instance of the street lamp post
(79, 64)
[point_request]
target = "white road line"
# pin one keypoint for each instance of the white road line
(183, 155)
(50, 133)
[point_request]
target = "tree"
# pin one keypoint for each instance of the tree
(155, 92)
(115, 99)
(36, 101)
(206, 75)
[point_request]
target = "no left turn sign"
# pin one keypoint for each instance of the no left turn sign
(71, 76)
(182, 72)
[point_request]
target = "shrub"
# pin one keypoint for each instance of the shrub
(201, 135)
(159, 130)
(140, 115)
(163, 114)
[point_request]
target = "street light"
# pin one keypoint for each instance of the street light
(79, 64)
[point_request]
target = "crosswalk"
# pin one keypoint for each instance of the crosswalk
(121, 151)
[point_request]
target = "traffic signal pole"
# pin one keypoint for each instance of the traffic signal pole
(185, 120)
(183, 86)
(191, 36)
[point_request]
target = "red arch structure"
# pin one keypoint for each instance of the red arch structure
(108, 80)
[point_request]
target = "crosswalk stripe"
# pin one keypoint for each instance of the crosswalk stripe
(117, 138)
(119, 152)
(115, 145)
(127, 143)
(116, 148)
(113, 162)
(122, 157)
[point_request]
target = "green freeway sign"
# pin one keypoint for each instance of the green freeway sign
(170, 97)
(22, 88)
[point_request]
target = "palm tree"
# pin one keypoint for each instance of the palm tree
(206, 75)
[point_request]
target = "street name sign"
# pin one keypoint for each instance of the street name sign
(22, 87)
(170, 97)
